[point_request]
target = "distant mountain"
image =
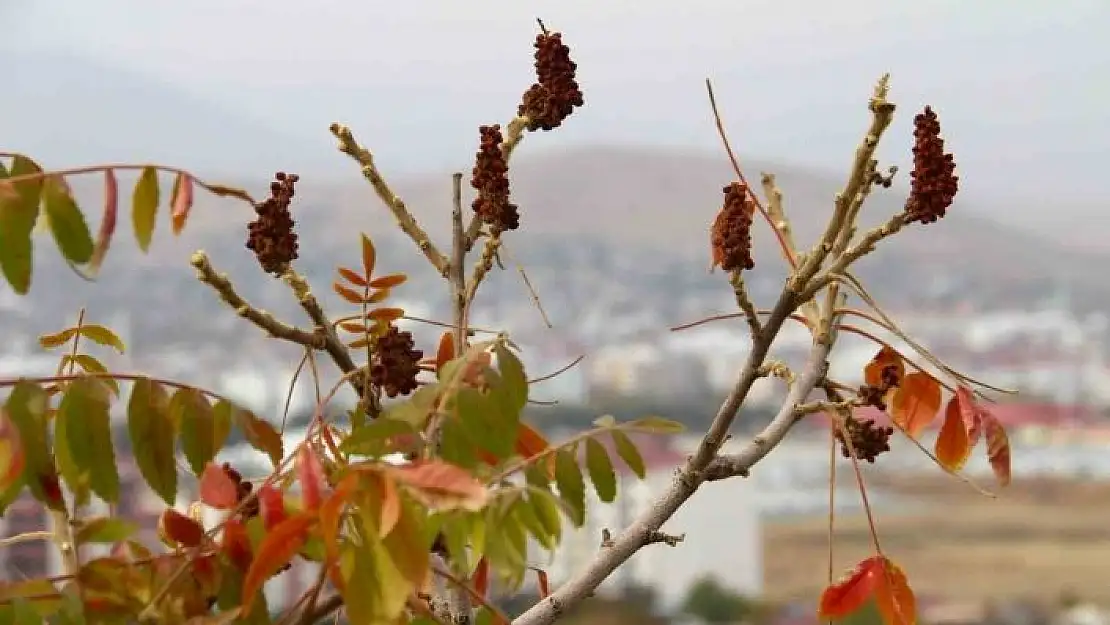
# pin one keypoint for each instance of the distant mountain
(100, 113)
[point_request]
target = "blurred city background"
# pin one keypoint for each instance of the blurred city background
(1011, 286)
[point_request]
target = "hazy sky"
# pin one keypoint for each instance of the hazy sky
(1021, 86)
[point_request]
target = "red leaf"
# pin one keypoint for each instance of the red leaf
(180, 529)
(107, 222)
(330, 515)
(998, 446)
(236, 544)
(481, 578)
(271, 503)
(874, 578)
(12, 457)
(850, 592)
(541, 581)
(952, 447)
(445, 352)
(441, 485)
(217, 489)
(970, 412)
(886, 357)
(181, 202)
(280, 544)
(352, 276)
(310, 474)
(916, 402)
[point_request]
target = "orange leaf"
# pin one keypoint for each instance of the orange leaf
(277, 548)
(388, 282)
(916, 402)
(391, 507)
(385, 314)
(886, 357)
(369, 256)
(271, 505)
(354, 327)
(310, 474)
(350, 275)
(894, 597)
(481, 578)
(998, 446)
(441, 485)
(541, 581)
(180, 529)
(971, 414)
(181, 202)
(352, 296)
(530, 443)
(952, 446)
(330, 515)
(378, 296)
(446, 350)
(12, 457)
(217, 488)
(236, 544)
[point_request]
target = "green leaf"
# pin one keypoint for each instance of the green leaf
(546, 509)
(105, 530)
(18, 214)
(486, 421)
(626, 449)
(456, 445)
(26, 406)
(572, 486)
(76, 477)
(102, 335)
(152, 436)
(88, 427)
(515, 382)
(507, 547)
(601, 471)
(90, 364)
(19, 612)
(525, 513)
(67, 224)
(373, 438)
(200, 426)
(144, 206)
(260, 434)
(377, 590)
(656, 425)
(416, 409)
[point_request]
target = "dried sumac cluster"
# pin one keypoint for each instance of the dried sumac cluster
(933, 183)
(555, 94)
(875, 394)
(868, 439)
(491, 179)
(271, 235)
(731, 236)
(395, 363)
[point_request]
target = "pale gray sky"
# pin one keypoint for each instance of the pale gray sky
(1021, 86)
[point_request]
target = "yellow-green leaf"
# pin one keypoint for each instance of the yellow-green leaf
(67, 224)
(85, 410)
(656, 425)
(626, 449)
(513, 378)
(102, 335)
(26, 406)
(152, 437)
(91, 365)
(144, 206)
(572, 486)
(105, 530)
(375, 590)
(18, 213)
(50, 341)
(76, 476)
(204, 429)
(547, 512)
(601, 470)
